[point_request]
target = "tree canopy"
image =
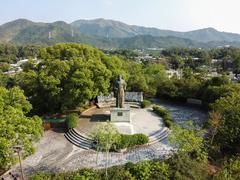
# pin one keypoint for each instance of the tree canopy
(16, 127)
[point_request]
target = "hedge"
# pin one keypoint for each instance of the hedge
(145, 104)
(130, 141)
(71, 120)
(167, 120)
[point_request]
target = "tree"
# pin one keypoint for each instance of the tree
(228, 131)
(188, 139)
(176, 62)
(3, 79)
(236, 65)
(105, 134)
(16, 127)
(214, 121)
(137, 80)
(155, 74)
(68, 76)
(230, 170)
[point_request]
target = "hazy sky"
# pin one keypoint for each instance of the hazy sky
(181, 15)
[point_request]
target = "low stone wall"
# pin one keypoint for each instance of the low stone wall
(129, 96)
(134, 96)
(106, 99)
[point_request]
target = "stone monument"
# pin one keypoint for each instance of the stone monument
(119, 90)
(121, 113)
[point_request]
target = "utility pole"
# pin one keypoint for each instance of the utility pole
(18, 150)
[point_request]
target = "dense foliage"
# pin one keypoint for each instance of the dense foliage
(68, 76)
(10, 54)
(72, 120)
(227, 131)
(142, 171)
(17, 129)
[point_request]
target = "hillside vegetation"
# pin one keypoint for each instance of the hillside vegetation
(111, 34)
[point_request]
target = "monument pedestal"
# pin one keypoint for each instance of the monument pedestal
(120, 114)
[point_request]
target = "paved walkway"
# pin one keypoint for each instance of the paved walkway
(142, 121)
(55, 153)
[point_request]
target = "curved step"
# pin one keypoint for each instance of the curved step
(158, 133)
(80, 143)
(75, 143)
(80, 139)
(158, 140)
(166, 132)
(159, 137)
(80, 134)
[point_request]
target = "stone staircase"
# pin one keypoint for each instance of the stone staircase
(159, 136)
(79, 139)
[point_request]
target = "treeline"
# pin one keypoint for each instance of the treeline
(69, 75)
(10, 54)
(227, 58)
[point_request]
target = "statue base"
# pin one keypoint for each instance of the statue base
(120, 115)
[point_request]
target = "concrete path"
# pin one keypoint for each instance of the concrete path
(54, 153)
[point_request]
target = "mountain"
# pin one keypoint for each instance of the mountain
(116, 29)
(9, 30)
(23, 31)
(143, 41)
(103, 33)
(210, 34)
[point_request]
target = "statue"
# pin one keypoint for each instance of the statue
(119, 88)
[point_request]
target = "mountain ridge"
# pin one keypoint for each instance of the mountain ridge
(104, 33)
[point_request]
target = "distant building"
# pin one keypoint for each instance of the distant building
(16, 68)
(171, 73)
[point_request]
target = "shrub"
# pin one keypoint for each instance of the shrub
(141, 170)
(167, 120)
(86, 174)
(139, 139)
(145, 104)
(116, 172)
(41, 176)
(71, 120)
(159, 170)
(131, 140)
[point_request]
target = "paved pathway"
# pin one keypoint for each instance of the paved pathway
(55, 153)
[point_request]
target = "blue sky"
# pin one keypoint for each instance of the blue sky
(181, 15)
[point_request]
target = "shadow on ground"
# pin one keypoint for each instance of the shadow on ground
(100, 118)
